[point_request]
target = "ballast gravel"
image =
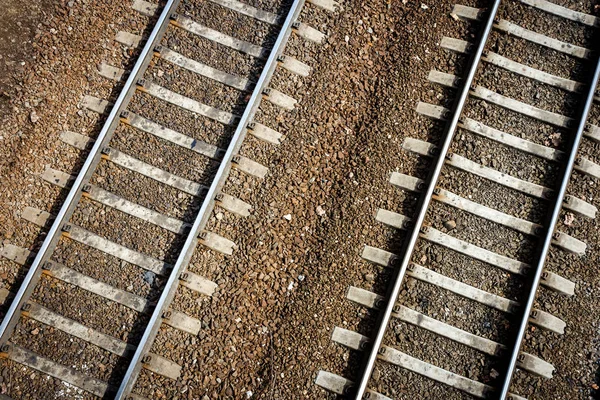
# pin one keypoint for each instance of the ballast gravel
(266, 332)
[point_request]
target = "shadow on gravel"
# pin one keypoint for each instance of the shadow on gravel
(396, 244)
(189, 214)
(596, 389)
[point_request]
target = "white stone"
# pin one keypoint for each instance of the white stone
(320, 211)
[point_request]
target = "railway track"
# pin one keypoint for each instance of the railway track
(171, 222)
(541, 209)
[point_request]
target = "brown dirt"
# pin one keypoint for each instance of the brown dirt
(21, 21)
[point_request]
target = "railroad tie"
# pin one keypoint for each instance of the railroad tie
(474, 14)
(371, 300)
(584, 165)
(65, 274)
(227, 202)
(243, 164)
(161, 268)
(337, 384)
(560, 239)
(563, 12)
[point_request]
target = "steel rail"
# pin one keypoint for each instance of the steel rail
(66, 211)
(550, 231)
(205, 211)
(426, 200)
